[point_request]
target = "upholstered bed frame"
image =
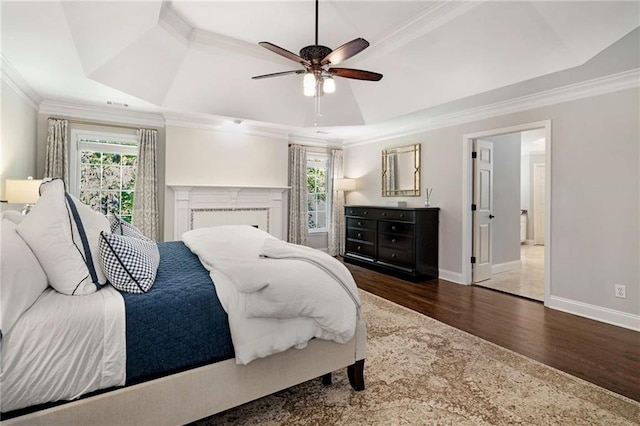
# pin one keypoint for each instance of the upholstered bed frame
(200, 392)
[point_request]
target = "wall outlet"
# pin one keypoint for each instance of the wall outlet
(621, 291)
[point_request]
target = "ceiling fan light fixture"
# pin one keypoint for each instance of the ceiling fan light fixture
(309, 84)
(329, 85)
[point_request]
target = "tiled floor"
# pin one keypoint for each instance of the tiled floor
(527, 281)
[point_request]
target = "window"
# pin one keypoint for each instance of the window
(103, 171)
(317, 167)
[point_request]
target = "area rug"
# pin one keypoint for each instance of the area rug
(420, 371)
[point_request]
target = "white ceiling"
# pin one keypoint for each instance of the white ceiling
(198, 57)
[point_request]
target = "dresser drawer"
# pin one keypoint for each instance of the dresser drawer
(395, 227)
(403, 215)
(360, 248)
(363, 212)
(353, 222)
(361, 234)
(396, 241)
(397, 257)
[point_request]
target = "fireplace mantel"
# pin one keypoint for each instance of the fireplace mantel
(207, 205)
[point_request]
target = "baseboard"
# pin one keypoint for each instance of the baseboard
(454, 277)
(598, 313)
(506, 266)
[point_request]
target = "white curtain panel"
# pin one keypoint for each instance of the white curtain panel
(145, 198)
(336, 224)
(298, 225)
(56, 164)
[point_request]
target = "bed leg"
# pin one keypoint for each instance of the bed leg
(326, 379)
(356, 375)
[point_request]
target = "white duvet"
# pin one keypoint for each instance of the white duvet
(277, 295)
(63, 347)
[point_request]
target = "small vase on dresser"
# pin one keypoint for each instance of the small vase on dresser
(402, 242)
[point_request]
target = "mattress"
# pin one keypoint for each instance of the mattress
(66, 346)
(63, 347)
(179, 323)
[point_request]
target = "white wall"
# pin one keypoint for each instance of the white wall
(210, 157)
(18, 151)
(595, 218)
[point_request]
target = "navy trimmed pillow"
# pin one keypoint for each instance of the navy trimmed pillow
(121, 227)
(129, 263)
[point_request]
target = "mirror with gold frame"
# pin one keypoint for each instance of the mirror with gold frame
(401, 171)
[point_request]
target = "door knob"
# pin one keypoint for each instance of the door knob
(491, 216)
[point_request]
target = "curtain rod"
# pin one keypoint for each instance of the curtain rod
(93, 123)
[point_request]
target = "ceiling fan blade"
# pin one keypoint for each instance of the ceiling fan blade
(277, 74)
(284, 52)
(345, 51)
(355, 74)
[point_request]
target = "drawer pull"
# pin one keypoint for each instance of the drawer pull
(401, 214)
(359, 223)
(366, 212)
(352, 211)
(359, 234)
(393, 228)
(384, 214)
(393, 256)
(359, 248)
(393, 240)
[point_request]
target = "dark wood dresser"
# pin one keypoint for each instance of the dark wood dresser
(399, 241)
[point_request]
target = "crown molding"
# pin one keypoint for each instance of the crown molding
(225, 124)
(433, 16)
(175, 23)
(421, 122)
(245, 127)
(181, 28)
(12, 77)
(101, 114)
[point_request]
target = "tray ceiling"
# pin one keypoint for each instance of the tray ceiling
(198, 57)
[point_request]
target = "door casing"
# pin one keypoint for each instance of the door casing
(467, 197)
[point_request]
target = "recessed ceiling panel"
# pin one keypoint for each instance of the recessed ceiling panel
(147, 67)
(101, 30)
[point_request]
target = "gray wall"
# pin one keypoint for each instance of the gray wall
(18, 149)
(595, 193)
(506, 198)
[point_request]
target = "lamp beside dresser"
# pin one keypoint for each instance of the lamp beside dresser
(398, 241)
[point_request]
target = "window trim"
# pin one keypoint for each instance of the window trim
(325, 157)
(75, 146)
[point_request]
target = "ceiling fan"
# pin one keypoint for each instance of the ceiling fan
(317, 61)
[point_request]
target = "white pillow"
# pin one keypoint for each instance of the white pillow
(53, 233)
(13, 216)
(22, 279)
(121, 227)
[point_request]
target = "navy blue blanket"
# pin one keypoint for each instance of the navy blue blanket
(179, 323)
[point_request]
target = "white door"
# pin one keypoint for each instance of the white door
(538, 203)
(482, 215)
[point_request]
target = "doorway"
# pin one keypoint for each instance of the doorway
(517, 225)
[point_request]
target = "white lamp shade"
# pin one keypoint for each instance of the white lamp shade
(22, 191)
(329, 85)
(309, 84)
(344, 184)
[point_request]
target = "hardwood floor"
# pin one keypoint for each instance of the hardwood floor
(600, 353)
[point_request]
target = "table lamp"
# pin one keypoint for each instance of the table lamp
(23, 191)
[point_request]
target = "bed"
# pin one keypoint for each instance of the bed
(157, 363)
